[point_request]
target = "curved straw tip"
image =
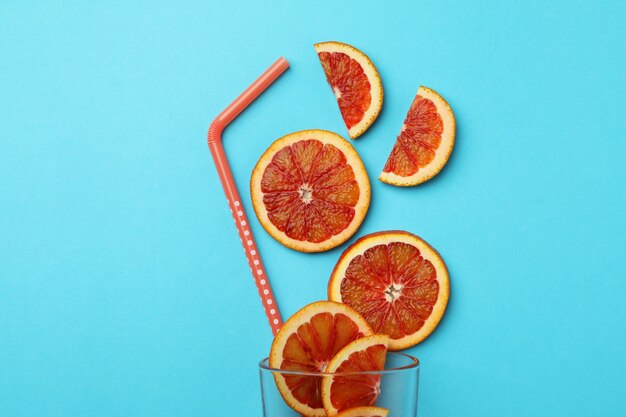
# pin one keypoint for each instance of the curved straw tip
(282, 63)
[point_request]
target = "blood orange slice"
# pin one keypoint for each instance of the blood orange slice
(355, 83)
(310, 190)
(425, 141)
(397, 281)
(306, 343)
(341, 392)
(364, 412)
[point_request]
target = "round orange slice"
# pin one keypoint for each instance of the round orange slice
(306, 343)
(354, 389)
(397, 281)
(310, 190)
(425, 141)
(355, 83)
(364, 412)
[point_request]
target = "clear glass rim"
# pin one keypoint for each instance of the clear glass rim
(414, 363)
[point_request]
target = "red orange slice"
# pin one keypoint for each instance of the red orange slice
(306, 343)
(424, 143)
(310, 190)
(397, 281)
(364, 412)
(342, 392)
(355, 83)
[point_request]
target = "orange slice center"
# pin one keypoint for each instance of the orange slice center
(393, 287)
(310, 191)
(350, 85)
(419, 139)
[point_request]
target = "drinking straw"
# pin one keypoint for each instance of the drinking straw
(230, 189)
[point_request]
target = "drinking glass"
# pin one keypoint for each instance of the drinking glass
(398, 386)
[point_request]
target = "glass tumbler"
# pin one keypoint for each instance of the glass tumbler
(398, 385)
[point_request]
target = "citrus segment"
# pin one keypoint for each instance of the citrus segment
(364, 412)
(341, 392)
(424, 143)
(310, 190)
(397, 281)
(355, 83)
(306, 343)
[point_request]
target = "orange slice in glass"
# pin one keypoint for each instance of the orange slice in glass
(364, 412)
(342, 392)
(306, 343)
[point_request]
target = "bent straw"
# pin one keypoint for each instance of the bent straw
(214, 140)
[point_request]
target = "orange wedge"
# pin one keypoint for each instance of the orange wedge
(424, 143)
(355, 82)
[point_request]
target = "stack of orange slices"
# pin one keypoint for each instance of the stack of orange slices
(310, 341)
(388, 290)
(328, 337)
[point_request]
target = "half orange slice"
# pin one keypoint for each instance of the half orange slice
(341, 392)
(310, 190)
(306, 343)
(424, 143)
(397, 281)
(355, 83)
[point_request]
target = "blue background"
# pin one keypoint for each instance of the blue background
(123, 287)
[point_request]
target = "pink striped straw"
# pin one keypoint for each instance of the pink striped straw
(232, 195)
